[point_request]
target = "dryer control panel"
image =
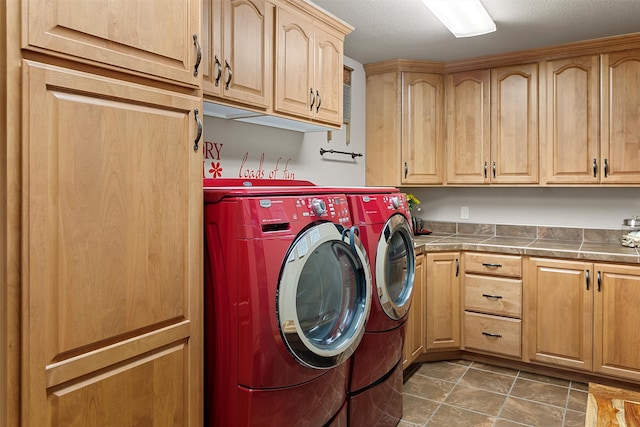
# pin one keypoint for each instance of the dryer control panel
(331, 207)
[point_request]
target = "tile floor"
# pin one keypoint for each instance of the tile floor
(465, 393)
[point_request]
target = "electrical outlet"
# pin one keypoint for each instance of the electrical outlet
(464, 212)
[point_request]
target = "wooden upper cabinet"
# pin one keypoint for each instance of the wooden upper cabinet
(620, 132)
(514, 124)
(468, 127)
(492, 126)
(383, 127)
(112, 281)
(150, 38)
(423, 128)
(405, 128)
(570, 121)
(328, 76)
(309, 68)
(237, 53)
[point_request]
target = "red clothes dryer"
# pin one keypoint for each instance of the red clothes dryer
(375, 381)
(287, 296)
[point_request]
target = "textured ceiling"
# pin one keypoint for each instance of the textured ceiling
(406, 29)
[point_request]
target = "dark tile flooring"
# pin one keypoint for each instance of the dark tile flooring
(465, 393)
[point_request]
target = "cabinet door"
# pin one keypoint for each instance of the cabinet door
(383, 130)
(423, 128)
(415, 325)
(328, 77)
(153, 38)
(294, 64)
(514, 124)
(212, 56)
(616, 337)
(620, 118)
(111, 314)
(237, 62)
(558, 312)
(570, 121)
(443, 301)
(468, 127)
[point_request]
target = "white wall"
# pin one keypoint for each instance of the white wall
(277, 153)
(568, 207)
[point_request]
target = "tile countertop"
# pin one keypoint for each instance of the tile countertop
(550, 242)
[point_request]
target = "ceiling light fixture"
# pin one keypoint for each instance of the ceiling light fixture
(464, 18)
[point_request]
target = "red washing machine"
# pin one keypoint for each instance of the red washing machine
(375, 386)
(287, 296)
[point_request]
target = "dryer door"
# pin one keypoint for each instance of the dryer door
(324, 295)
(395, 267)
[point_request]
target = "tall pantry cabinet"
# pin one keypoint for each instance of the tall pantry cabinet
(102, 226)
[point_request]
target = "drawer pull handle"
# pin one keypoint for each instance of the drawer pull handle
(489, 334)
(491, 265)
(492, 296)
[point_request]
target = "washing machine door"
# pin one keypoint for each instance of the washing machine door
(324, 295)
(395, 267)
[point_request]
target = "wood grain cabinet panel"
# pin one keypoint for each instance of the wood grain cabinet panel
(422, 128)
(309, 68)
(559, 312)
(492, 126)
(514, 124)
(122, 34)
(616, 319)
(620, 131)
(570, 121)
(468, 127)
(405, 128)
(492, 334)
(415, 326)
(443, 301)
(492, 304)
(237, 53)
(113, 251)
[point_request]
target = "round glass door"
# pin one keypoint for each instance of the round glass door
(324, 295)
(395, 267)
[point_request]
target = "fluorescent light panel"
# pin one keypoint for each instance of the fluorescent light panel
(464, 18)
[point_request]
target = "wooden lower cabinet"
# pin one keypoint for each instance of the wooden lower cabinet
(492, 334)
(442, 304)
(617, 321)
(112, 253)
(415, 324)
(584, 316)
(559, 312)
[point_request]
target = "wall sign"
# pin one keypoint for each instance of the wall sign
(252, 165)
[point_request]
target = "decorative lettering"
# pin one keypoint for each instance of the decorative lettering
(251, 173)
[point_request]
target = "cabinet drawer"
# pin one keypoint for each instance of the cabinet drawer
(496, 265)
(491, 333)
(493, 295)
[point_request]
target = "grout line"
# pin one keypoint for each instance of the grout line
(507, 396)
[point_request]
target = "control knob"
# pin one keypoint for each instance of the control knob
(395, 202)
(319, 207)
